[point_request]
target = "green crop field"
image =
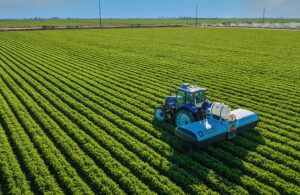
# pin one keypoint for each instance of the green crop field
(76, 111)
(82, 22)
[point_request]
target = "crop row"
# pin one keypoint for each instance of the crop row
(122, 105)
(35, 168)
(89, 55)
(74, 106)
(12, 178)
(64, 87)
(143, 149)
(264, 112)
(65, 172)
(100, 155)
(67, 78)
(94, 68)
(96, 106)
(121, 63)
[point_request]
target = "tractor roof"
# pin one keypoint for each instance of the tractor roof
(187, 88)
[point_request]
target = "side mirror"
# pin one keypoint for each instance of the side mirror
(206, 105)
(171, 91)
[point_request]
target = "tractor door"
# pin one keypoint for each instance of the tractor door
(180, 98)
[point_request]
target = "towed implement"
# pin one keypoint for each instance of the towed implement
(200, 123)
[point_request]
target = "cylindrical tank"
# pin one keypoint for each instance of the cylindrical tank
(221, 110)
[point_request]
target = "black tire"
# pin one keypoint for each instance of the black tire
(184, 117)
(160, 113)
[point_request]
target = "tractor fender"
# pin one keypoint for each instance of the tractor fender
(189, 107)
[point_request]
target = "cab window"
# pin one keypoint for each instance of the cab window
(199, 97)
(189, 98)
(180, 97)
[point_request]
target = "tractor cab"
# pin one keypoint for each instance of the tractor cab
(187, 106)
(190, 96)
(191, 104)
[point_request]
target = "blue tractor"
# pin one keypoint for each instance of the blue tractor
(187, 106)
(200, 123)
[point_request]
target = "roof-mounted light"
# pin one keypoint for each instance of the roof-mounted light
(186, 85)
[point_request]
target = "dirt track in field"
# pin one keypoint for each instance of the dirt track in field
(27, 28)
(30, 28)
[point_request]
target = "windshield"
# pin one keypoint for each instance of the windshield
(199, 98)
(189, 98)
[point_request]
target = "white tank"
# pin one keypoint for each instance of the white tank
(221, 110)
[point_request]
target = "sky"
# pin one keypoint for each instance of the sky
(149, 8)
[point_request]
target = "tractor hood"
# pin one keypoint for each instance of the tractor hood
(170, 99)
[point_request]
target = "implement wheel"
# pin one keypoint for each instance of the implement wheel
(160, 113)
(184, 117)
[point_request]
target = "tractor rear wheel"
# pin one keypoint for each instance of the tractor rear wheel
(184, 117)
(160, 113)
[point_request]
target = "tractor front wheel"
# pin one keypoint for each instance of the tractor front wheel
(160, 113)
(184, 117)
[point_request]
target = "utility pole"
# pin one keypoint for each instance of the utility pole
(196, 14)
(264, 11)
(100, 19)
